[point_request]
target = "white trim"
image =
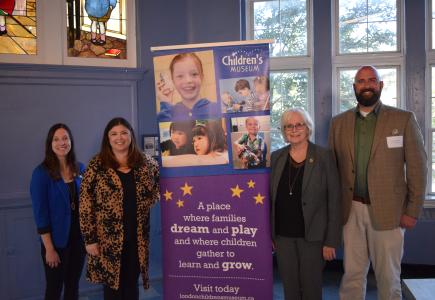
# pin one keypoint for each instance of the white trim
(334, 91)
(430, 63)
(249, 23)
(429, 203)
(290, 63)
(360, 60)
(428, 31)
(428, 124)
(334, 28)
(209, 45)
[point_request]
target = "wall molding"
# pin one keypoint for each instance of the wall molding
(56, 72)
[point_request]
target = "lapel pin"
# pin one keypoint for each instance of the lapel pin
(311, 160)
(395, 131)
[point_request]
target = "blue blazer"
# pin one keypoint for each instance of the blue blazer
(51, 204)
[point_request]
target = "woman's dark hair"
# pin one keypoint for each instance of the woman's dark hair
(135, 158)
(51, 162)
(213, 130)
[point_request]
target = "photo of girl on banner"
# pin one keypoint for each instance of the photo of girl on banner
(185, 86)
(244, 94)
(193, 143)
(250, 146)
(178, 138)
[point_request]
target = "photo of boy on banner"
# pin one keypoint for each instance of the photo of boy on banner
(250, 147)
(185, 86)
(244, 94)
(193, 143)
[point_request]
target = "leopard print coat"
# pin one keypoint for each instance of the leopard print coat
(101, 213)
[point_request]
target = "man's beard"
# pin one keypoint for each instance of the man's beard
(365, 100)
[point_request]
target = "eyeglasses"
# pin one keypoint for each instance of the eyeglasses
(297, 126)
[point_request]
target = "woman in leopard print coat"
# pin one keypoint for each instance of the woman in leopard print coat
(118, 189)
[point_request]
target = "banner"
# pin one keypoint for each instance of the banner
(213, 113)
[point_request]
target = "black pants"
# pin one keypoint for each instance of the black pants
(130, 269)
(67, 274)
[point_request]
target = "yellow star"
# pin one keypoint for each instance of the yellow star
(168, 195)
(259, 199)
(187, 189)
(180, 203)
(251, 184)
(236, 191)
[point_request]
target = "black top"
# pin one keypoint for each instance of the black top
(129, 206)
(74, 232)
(289, 220)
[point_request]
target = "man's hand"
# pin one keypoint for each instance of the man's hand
(407, 222)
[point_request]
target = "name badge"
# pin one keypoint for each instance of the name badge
(395, 141)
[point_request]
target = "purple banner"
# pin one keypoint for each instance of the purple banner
(215, 241)
(214, 123)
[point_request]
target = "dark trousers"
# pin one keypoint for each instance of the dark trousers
(130, 269)
(67, 274)
(300, 265)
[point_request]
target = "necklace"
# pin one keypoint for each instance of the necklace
(292, 184)
(72, 194)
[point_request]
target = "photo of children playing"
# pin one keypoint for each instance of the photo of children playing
(193, 143)
(185, 86)
(250, 146)
(245, 94)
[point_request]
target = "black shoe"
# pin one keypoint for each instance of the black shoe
(3, 31)
(101, 42)
(94, 41)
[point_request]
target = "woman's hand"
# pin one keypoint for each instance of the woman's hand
(93, 249)
(164, 91)
(52, 258)
(328, 253)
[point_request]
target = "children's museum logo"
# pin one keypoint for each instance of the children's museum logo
(242, 63)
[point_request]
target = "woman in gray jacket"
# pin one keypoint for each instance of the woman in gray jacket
(305, 209)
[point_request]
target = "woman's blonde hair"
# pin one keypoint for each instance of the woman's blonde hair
(286, 116)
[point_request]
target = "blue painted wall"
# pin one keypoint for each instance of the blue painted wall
(34, 97)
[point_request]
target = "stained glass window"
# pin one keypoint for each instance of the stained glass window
(18, 27)
(96, 29)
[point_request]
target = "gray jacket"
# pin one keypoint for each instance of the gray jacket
(321, 204)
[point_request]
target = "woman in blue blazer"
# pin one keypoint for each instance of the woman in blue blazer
(305, 209)
(55, 189)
